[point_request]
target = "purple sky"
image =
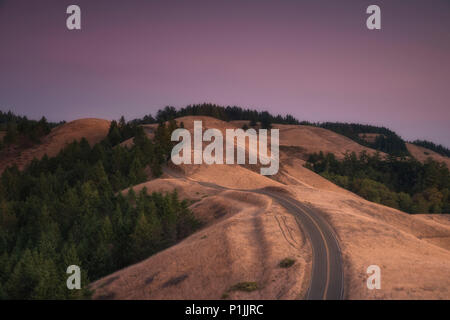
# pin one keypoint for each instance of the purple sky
(313, 59)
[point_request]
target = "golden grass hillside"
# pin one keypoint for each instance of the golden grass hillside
(422, 154)
(94, 130)
(245, 236)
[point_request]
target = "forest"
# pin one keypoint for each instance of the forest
(228, 113)
(68, 210)
(404, 184)
(21, 131)
(386, 141)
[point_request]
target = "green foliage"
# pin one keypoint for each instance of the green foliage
(244, 286)
(387, 141)
(69, 210)
(122, 130)
(228, 113)
(266, 120)
(404, 184)
(22, 131)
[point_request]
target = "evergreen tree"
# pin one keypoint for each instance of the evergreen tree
(146, 236)
(114, 135)
(11, 133)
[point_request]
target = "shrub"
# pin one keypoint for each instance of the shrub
(286, 263)
(245, 286)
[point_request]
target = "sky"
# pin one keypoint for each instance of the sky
(315, 60)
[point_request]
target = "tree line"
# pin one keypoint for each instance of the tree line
(22, 131)
(404, 184)
(69, 210)
(386, 141)
(229, 113)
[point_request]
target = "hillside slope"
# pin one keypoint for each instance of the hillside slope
(245, 238)
(422, 154)
(94, 130)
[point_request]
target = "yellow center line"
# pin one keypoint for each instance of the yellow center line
(325, 243)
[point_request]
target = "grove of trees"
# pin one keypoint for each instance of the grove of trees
(387, 141)
(22, 131)
(228, 113)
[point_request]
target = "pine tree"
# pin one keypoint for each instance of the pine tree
(11, 133)
(146, 236)
(99, 177)
(114, 135)
(137, 174)
(122, 122)
(50, 283)
(24, 278)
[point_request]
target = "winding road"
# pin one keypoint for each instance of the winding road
(327, 278)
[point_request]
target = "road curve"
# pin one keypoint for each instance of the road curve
(327, 278)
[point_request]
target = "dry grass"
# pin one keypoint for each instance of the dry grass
(94, 130)
(245, 241)
(313, 139)
(244, 286)
(422, 154)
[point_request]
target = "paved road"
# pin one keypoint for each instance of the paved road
(327, 278)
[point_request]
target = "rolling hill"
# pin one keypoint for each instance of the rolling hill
(247, 234)
(94, 130)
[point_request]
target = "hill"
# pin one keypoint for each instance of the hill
(422, 154)
(246, 235)
(244, 242)
(94, 130)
